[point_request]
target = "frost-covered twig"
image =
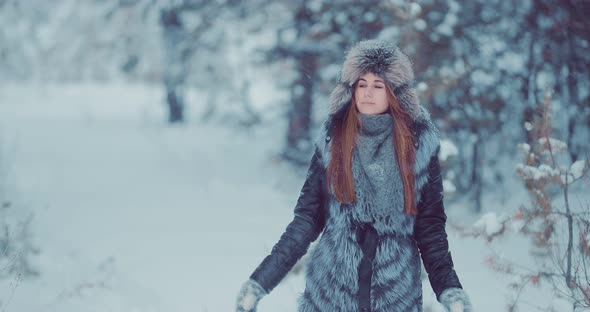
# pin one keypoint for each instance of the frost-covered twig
(562, 255)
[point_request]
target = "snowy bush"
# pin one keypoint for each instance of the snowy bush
(16, 247)
(559, 237)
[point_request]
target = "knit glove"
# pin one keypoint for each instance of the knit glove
(455, 300)
(250, 293)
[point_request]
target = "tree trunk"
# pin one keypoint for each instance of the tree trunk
(175, 106)
(476, 175)
(298, 140)
(175, 56)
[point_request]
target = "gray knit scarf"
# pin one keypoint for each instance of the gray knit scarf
(377, 180)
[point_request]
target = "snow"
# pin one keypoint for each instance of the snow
(420, 24)
(526, 148)
(112, 181)
(400, 3)
(479, 77)
(422, 86)
(134, 215)
(369, 16)
(450, 20)
(545, 79)
(341, 18)
(490, 223)
(447, 149)
(511, 62)
(516, 225)
(387, 33)
(449, 186)
(536, 173)
(314, 6)
(577, 168)
(547, 170)
(528, 126)
(566, 178)
(415, 9)
(556, 145)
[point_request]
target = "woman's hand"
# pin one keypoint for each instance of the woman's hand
(455, 300)
(250, 293)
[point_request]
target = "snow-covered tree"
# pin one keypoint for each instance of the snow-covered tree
(314, 39)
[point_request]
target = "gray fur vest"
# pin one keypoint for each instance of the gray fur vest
(332, 270)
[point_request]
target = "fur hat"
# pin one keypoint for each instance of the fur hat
(385, 60)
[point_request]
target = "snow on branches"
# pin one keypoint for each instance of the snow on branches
(558, 232)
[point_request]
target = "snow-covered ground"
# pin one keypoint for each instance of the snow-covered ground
(131, 214)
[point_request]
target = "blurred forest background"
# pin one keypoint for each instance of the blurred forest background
(481, 66)
(485, 69)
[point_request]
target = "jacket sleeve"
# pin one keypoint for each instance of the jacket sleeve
(305, 227)
(429, 231)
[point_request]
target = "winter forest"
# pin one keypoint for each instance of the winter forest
(152, 151)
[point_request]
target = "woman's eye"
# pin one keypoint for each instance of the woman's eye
(362, 86)
(379, 87)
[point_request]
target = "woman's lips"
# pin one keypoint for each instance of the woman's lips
(367, 103)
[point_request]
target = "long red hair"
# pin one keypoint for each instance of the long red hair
(339, 172)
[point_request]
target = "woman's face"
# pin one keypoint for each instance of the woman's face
(371, 95)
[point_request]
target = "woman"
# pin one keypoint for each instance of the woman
(374, 191)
